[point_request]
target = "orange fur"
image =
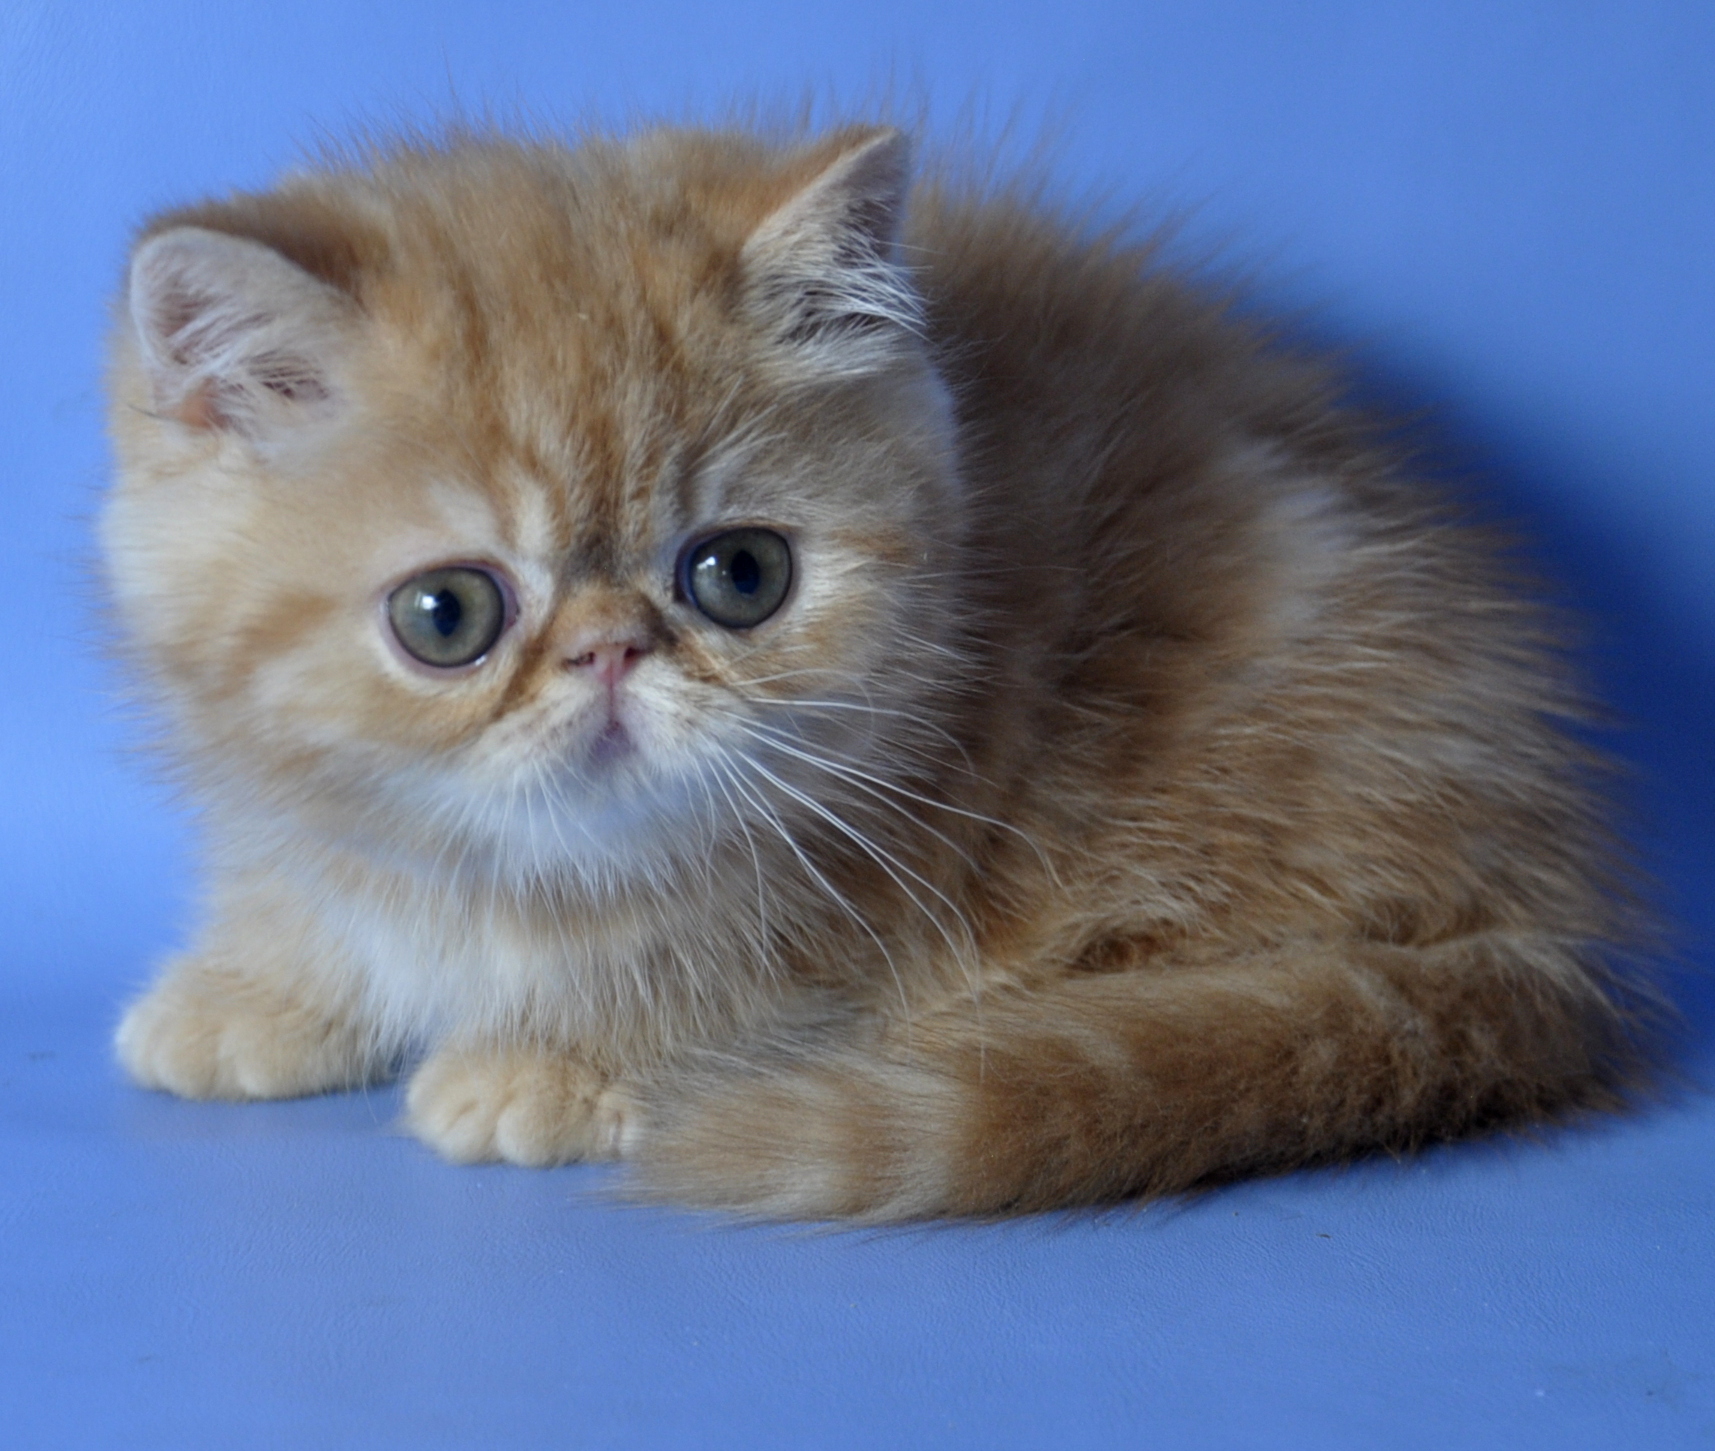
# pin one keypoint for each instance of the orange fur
(1144, 782)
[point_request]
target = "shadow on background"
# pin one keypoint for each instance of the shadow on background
(1649, 665)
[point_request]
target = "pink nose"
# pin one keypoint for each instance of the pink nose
(611, 661)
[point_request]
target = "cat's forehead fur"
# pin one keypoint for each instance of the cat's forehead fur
(562, 314)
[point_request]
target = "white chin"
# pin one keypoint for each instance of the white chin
(615, 822)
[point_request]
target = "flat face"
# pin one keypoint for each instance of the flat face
(545, 432)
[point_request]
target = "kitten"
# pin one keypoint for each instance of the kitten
(858, 698)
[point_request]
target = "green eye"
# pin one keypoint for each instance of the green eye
(739, 578)
(448, 617)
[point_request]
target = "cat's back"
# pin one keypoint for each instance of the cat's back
(1236, 609)
(1146, 455)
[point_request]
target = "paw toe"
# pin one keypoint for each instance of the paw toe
(527, 1108)
(203, 1032)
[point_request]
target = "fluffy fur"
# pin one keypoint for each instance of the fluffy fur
(1144, 783)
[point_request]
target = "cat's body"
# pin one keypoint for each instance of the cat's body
(1129, 781)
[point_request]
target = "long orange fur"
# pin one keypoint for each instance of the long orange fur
(1145, 782)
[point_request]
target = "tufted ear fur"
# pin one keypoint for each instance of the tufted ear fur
(822, 277)
(233, 336)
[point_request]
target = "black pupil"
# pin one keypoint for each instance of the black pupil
(445, 610)
(745, 572)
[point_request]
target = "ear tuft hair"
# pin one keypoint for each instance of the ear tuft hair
(233, 336)
(821, 273)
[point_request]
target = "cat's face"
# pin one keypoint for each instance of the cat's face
(555, 513)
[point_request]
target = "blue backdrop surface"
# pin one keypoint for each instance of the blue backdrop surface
(1505, 212)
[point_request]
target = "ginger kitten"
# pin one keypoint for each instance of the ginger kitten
(857, 698)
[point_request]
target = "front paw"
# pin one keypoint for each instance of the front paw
(209, 1032)
(521, 1105)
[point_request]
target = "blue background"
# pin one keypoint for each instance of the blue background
(1504, 211)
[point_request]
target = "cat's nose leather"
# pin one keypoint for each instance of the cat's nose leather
(609, 661)
(602, 634)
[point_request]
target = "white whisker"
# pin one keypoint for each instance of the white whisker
(834, 894)
(889, 863)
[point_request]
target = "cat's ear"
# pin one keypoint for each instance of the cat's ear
(821, 273)
(233, 336)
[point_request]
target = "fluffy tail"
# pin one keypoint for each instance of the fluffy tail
(1097, 1088)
